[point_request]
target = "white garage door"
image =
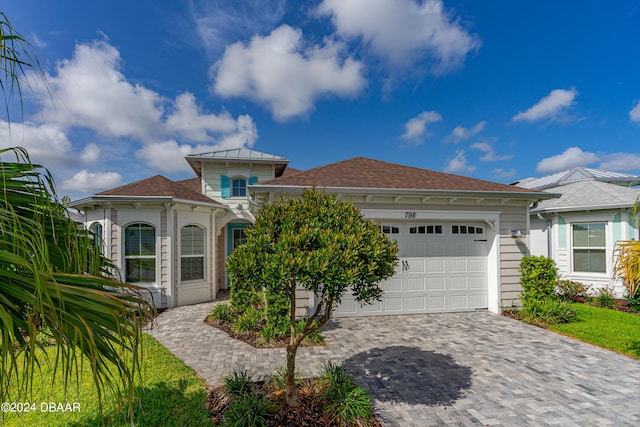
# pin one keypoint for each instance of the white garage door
(442, 267)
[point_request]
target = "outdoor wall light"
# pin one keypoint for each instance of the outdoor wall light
(517, 234)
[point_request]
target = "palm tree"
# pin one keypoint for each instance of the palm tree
(53, 278)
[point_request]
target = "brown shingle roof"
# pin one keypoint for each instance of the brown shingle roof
(361, 172)
(158, 186)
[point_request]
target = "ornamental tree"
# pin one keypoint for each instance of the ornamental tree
(316, 243)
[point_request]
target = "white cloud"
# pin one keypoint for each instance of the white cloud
(191, 123)
(85, 181)
(416, 128)
(634, 114)
(500, 173)
(280, 72)
(90, 91)
(490, 155)
(551, 107)
(620, 162)
(459, 164)
(460, 133)
(222, 22)
(569, 158)
(47, 144)
(404, 31)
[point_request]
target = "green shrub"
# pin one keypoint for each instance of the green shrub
(251, 320)
(348, 404)
(547, 311)
(249, 410)
(604, 298)
(270, 333)
(353, 409)
(538, 276)
(222, 312)
(571, 290)
(243, 297)
(313, 338)
(277, 307)
(634, 302)
(238, 383)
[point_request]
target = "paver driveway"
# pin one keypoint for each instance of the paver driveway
(439, 369)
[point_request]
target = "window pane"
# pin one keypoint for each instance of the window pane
(140, 270)
(597, 235)
(192, 240)
(140, 239)
(589, 260)
(192, 268)
(581, 235)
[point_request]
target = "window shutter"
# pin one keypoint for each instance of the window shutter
(225, 186)
(253, 180)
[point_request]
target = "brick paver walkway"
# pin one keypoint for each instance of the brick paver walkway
(459, 369)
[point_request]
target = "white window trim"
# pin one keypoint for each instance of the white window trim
(125, 257)
(608, 245)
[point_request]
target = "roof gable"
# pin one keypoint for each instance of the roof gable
(361, 172)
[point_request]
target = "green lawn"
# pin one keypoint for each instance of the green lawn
(605, 328)
(171, 394)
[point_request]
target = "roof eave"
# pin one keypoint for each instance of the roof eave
(582, 208)
(261, 188)
(103, 199)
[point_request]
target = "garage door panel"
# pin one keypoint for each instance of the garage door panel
(457, 283)
(376, 307)
(392, 305)
(477, 301)
(392, 285)
(435, 283)
(477, 282)
(436, 266)
(458, 302)
(458, 265)
(416, 266)
(416, 304)
(477, 265)
(416, 284)
(436, 303)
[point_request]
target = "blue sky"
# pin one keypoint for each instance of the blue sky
(497, 90)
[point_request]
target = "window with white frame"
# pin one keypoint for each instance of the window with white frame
(192, 248)
(140, 253)
(589, 244)
(96, 234)
(238, 187)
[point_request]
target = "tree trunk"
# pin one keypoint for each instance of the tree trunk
(291, 389)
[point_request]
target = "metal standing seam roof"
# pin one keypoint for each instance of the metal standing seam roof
(240, 154)
(578, 174)
(361, 172)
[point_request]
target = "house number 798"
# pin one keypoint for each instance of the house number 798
(409, 214)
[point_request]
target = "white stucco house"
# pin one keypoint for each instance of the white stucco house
(579, 230)
(461, 239)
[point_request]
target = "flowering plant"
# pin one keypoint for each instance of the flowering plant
(571, 290)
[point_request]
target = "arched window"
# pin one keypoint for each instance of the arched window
(192, 245)
(96, 231)
(238, 187)
(140, 253)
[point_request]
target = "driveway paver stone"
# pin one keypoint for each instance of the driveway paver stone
(462, 369)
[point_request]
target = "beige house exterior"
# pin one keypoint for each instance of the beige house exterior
(461, 239)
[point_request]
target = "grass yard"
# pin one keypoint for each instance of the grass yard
(171, 394)
(610, 329)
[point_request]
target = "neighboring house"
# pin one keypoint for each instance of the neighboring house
(580, 229)
(456, 234)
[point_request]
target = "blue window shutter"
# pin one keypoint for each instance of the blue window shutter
(253, 180)
(225, 186)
